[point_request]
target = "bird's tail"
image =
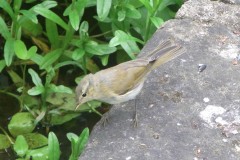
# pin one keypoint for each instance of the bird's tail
(164, 52)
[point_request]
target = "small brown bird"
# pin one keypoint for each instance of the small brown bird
(124, 82)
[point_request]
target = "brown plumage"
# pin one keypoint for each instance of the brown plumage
(124, 81)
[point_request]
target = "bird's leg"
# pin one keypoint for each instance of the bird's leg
(135, 119)
(105, 119)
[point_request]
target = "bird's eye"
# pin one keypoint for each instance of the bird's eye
(84, 95)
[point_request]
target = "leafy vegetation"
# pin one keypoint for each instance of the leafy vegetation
(43, 42)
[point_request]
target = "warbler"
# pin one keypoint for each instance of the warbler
(124, 81)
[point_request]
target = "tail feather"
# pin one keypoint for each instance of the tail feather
(164, 44)
(165, 55)
(164, 52)
(161, 52)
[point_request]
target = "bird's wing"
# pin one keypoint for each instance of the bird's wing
(126, 75)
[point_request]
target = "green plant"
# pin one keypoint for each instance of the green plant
(49, 148)
(32, 145)
(41, 39)
(78, 143)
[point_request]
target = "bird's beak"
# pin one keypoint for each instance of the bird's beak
(79, 103)
(77, 106)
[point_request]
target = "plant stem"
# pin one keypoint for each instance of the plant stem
(101, 34)
(11, 94)
(9, 138)
(94, 110)
(148, 22)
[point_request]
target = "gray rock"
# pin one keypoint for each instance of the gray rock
(183, 113)
(231, 1)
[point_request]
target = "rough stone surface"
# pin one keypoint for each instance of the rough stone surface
(231, 1)
(183, 114)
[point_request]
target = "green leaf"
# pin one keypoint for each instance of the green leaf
(121, 15)
(58, 99)
(50, 75)
(60, 89)
(50, 58)
(47, 4)
(80, 6)
(21, 123)
(4, 142)
(30, 1)
(36, 90)
(67, 102)
(77, 43)
(91, 3)
(157, 21)
(30, 101)
(84, 27)
(147, 4)
(74, 19)
(67, 10)
(131, 48)
(21, 50)
(37, 58)
(30, 28)
(40, 116)
(52, 33)
(165, 3)
(17, 80)
(30, 15)
(51, 16)
(35, 78)
(98, 49)
(7, 8)
(35, 140)
(104, 60)
(4, 29)
(65, 63)
(38, 154)
(71, 136)
(127, 42)
(75, 12)
(91, 65)
(122, 37)
(74, 149)
(132, 12)
(2, 65)
(82, 141)
(53, 144)
(32, 50)
(179, 2)
(9, 51)
(78, 54)
(20, 146)
(78, 143)
(58, 119)
(17, 5)
(140, 25)
(103, 8)
(83, 31)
